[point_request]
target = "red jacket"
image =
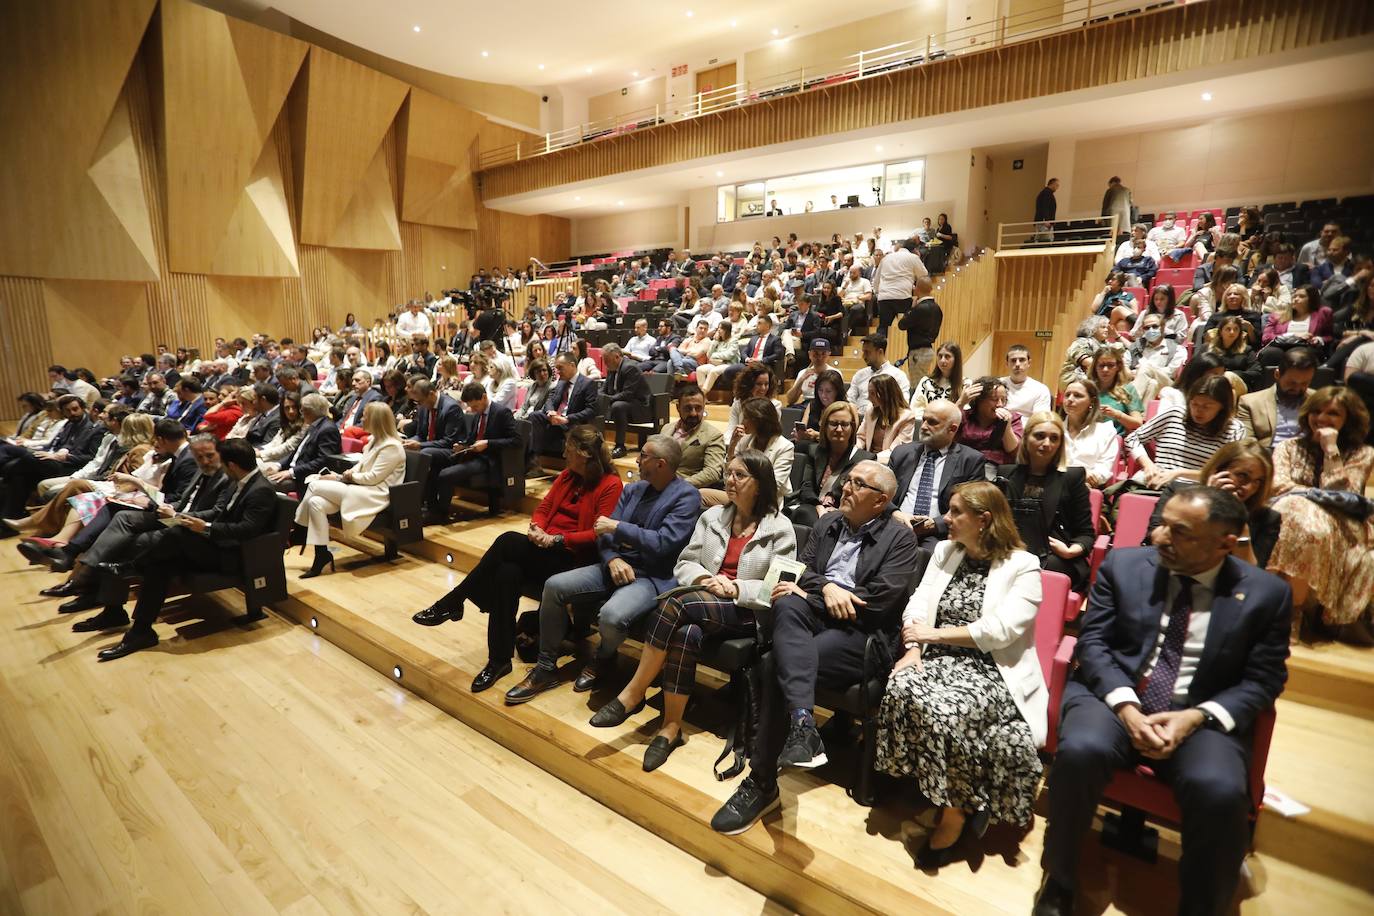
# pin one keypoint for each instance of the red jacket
(601, 501)
(221, 421)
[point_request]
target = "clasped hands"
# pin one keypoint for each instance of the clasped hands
(1158, 735)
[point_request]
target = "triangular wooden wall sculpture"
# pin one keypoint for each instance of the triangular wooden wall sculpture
(224, 84)
(437, 184)
(337, 132)
(370, 220)
(258, 241)
(83, 52)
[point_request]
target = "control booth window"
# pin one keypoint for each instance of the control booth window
(830, 189)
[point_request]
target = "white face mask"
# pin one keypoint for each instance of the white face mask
(1153, 334)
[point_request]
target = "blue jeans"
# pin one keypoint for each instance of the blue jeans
(622, 606)
(681, 364)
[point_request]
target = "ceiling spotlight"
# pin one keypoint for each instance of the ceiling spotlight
(634, 73)
(415, 27)
(448, 557)
(485, 54)
(589, 69)
(541, 66)
(775, 33)
(720, 174)
(878, 148)
(620, 203)
(689, 14)
(576, 198)
(733, 23)
(314, 624)
(1207, 96)
(396, 672)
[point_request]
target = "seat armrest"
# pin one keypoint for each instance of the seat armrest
(1059, 676)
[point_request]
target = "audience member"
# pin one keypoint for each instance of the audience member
(1155, 358)
(1304, 323)
(859, 563)
(889, 422)
(760, 429)
(1325, 548)
(1161, 302)
(73, 445)
(724, 563)
(829, 388)
(1143, 688)
(874, 353)
(929, 469)
(1271, 415)
(894, 285)
(1049, 500)
(560, 537)
(638, 545)
(1185, 438)
(358, 494)
(1025, 395)
(1090, 442)
(703, 444)
(724, 352)
(625, 397)
(803, 388)
(319, 442)
(1229, 341)
(484, 432)
(988, 425)
(945, 381)
(825, 467)
(966, 706)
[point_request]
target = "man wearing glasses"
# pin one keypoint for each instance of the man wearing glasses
(639, 545)
(929, 469)
(858, 562)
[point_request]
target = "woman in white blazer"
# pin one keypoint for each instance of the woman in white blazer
(721, 570)
(359, 494)
(965, 708)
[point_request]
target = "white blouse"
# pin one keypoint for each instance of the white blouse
(1094, 449)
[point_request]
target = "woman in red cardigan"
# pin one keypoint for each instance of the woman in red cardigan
(560, 537)
(224, 410)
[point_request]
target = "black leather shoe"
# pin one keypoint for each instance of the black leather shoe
(595, 671)
(78, 604)
(1053, 899)
(32, 552)
(535, 683)
(614, 713)
(133, 641)
(659, 750)
(108, 619)
(64, 590)
(120, 570)
(618, 452)
(931, 859)
(489, 675)
(434, 615)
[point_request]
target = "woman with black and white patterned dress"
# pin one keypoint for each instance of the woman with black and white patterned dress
(966, 705)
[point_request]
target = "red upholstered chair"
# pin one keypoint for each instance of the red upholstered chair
(1133, 512)
(595, 354)
(1049, 633)
(1138, 793)
(1151, 409)
(1074, 601)
(351, 446)
(1142, 298)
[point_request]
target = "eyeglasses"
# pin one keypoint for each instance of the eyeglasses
(738, 476)
(838, 424)
(854, 482)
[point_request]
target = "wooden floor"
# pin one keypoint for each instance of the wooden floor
(269, 772)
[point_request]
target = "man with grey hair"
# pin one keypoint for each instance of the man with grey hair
(929, 469)
(320, 443)
(858, 562)
(639, 544)
(413, 321)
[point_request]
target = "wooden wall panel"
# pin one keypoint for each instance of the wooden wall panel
(448, 257)
(1165, 41)
(66, 57)
(244, 306)
(224, 82)
(92, 323)
(437, 166)
(357, 282)
(341, 112)
(25, 347)
(179, 311)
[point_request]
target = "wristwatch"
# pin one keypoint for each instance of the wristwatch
(1209, 719)
(558, 540)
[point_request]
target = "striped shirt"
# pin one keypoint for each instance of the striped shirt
(1178, 446)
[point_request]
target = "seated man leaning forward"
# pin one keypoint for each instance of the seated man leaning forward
(639, 545)
(858, 562)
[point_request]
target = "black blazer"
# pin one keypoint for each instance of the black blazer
(179, 476)
(886, 559)
(322, 442)
(772, 349)
(206, 497)
(1065, 510)
(351, 401)
(962, 464)
(627, 384)
(264, 427)
(810, 324)
(1244, 660)
(81, 440)
(252, 514)
(582, 403)
(809, 494)
(922, 323)
(500, 432)
(447, 427)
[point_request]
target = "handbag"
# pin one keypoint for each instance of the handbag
(1349, 504)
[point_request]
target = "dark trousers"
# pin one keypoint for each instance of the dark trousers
(1076, 569)
(888, 310)
(810, 650)
(509, 566)
(1208, 773)
(22, 474)
(620, 414)
(462, 473)
(170, 553)
(545, 437)
(439, 458)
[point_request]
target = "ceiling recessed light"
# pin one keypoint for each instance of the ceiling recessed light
(720, 174)
(541, 66)
(415, 27)
(878, 148)
(589, 69)
(577, 198)
(620, 203)
(634, 73)
(1207, 96)
(690, 14)
(775, 33)
(733, 23)
(485, 54)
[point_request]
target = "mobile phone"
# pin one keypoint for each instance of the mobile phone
(798, 429)
(787, 577)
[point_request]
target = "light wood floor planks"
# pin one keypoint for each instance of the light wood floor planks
(268, 772)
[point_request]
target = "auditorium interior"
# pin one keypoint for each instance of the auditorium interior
(926, 446)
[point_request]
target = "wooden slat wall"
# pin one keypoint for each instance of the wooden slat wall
(1076, 307)
(967, 296)
(24, 340)
(1166, 41)
(1031, 292)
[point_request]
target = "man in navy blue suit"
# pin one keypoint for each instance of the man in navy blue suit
(1181, 648)
(571, 403)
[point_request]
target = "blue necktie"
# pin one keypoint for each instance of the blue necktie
(926, 486)
(1158, 690)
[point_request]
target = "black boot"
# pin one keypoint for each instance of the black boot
(323, 558)
(297, 537)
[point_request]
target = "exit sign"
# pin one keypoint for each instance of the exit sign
(1044, 335)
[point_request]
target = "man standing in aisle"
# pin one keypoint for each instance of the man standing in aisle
(894, 282)
(922, 326)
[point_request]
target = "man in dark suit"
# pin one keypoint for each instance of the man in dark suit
(625, 395)
(204, 541)
(929, 469)
(267, 421)
(73, 446)
(487, 429)
(922, 325)
(803, 322)
(320, 443)
(763, 347)
(351, 413)
(1182, 647)
(571, 403)
(437, 427)
(858, 561)
(118, 538)
(667, 339)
